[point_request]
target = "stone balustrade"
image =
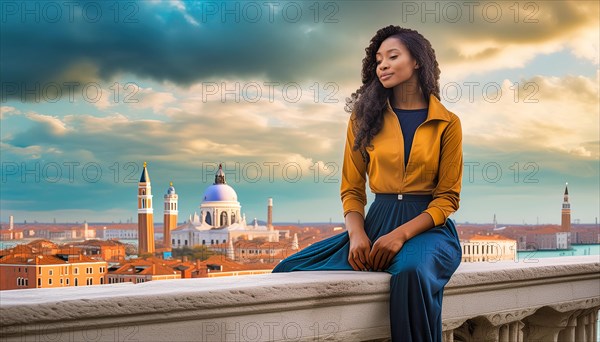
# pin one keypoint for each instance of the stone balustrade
(551, 299)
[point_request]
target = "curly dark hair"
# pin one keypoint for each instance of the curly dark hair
(370, 99)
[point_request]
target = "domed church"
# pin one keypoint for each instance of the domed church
(220, 219)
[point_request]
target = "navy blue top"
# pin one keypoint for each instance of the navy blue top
(409, 120)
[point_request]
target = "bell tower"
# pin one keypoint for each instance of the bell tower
(565, 222)
(170, 217)
(145, 215)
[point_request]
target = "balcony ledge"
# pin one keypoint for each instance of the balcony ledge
(481, 299)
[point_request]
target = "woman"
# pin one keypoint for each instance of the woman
(410, 147)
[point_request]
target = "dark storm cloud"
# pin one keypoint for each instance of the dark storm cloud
(161, 44)
(191, 41)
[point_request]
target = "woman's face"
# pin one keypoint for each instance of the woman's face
(395, 65)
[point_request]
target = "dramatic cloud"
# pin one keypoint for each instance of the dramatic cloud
(187, 42)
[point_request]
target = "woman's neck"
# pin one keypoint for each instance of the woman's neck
(408, 95)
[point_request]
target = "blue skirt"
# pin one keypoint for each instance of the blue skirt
(419, 271)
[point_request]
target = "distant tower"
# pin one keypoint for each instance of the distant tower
(565, 222)
(295, 242)
(145, 218)
(85, 230)
(170, 217)
(230, 250)
(270, 214)
(11, 222)
(495, 222)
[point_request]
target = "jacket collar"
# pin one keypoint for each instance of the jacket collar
(436, 111)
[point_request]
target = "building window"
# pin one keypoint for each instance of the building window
(224, 219)
(67, 281)
(101, 281)
(26, 282)
(50, 272)
(212, 242)
(39, 282)
(18, 281)
(76, 282)
(40, 271)
(66, 270)
(49, 281)
(224, 241)
(185, 243)
(89, 281)
(61, 281)
(76, 271)
(173, 241)
(204, 242)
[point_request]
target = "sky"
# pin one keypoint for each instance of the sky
(91, 90)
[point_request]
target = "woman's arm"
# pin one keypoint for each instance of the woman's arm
(446, 195)
(354, 199)
(360, 245)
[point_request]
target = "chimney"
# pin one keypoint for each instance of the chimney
(270, 214)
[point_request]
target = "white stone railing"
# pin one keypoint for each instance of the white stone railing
(553, 299)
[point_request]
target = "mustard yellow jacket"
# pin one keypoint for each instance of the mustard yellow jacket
(435, 164)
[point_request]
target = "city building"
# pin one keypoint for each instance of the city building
(110, 250)
(42, 271)
(220, 219)
(489, 248)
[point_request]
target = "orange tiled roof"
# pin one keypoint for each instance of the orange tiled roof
(45, 260)
(144, 269)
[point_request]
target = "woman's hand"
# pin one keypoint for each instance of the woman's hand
(360, 246)
(385, 249)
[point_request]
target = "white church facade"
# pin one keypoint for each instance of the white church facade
(220, 220)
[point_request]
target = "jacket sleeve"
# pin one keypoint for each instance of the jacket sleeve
(352, 189)
(446, 195)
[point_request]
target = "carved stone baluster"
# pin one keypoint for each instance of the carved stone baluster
(504, 333)
(448, 327)
(580, 329)
(448, 336)
(595, 325)
(590, 326)
(515, 331)
(568, 333)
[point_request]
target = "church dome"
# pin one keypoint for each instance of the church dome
(220, 192)
(171, 190)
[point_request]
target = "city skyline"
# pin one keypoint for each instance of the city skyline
(185, 90)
